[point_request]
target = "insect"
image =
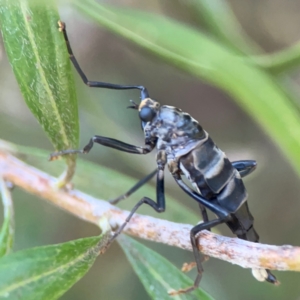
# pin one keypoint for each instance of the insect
(187, 149)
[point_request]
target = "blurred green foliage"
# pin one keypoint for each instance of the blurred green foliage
(157, 274)
(223, 57)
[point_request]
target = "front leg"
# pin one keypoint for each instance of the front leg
(107, 142)
(96, 84)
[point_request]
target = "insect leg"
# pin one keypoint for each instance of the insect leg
(134, 188)
(158, 206)
(194, 231)
(108, 142)
(244, 167)
(211, 205)
(97, 84)
(222, 214)
(205, 219)
(203, 213)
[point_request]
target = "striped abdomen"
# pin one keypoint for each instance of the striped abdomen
(210, 171)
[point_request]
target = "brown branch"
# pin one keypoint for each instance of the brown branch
(236, 251)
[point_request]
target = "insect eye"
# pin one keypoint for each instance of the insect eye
(147, 114)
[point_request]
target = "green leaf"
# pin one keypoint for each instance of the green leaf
(8, 226)
(281, 61)
(157, 274)
(38, 56)
(222, 23)
(252, 88)
(47, 272)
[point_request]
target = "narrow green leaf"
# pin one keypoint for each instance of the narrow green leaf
(38, 56)
(281, 61)
(8, 226)
(222, 23)
(252, 88)
(157, 274)
(47, 272)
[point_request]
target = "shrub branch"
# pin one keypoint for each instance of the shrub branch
(236, 251)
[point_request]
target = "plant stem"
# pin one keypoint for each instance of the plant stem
(237, 251)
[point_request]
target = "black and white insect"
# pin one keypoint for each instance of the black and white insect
(188, 150)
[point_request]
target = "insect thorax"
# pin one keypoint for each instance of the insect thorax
(176, 131)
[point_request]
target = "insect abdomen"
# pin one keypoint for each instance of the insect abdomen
(242, 224)
(209, 168)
